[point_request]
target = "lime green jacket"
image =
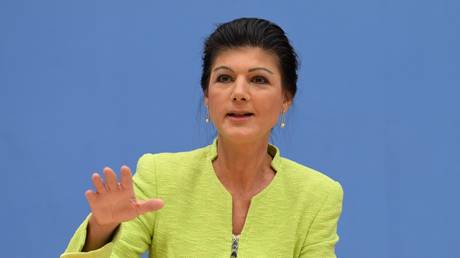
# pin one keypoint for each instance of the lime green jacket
(296, 215)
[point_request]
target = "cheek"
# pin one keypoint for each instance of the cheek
(214, 107)
(270, 109)
(214, 95)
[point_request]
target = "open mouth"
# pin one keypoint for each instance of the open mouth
(239, 115)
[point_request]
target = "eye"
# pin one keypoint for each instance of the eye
(224, 78)
(259, 80)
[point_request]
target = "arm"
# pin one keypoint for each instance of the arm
(133, 236)
(322, 235)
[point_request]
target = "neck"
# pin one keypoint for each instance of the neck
(243, 166)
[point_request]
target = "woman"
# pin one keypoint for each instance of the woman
(234, 197)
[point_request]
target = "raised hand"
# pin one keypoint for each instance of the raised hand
(112, 203)
(115, 202)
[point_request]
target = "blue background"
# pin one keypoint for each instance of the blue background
(85, 84)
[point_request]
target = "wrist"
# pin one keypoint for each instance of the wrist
(98, 235)
(96, 225)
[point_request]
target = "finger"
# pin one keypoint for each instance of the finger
(149, 205)
(110, 179)
(90, 196)
(97, 181)
(126, 179)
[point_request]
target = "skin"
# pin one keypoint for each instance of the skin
(245, 79)
(113, 202)
(242, 79)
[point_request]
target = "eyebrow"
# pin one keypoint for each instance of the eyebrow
(250, 70)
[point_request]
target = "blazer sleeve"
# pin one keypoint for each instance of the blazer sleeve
(322, 235)
(133, 237)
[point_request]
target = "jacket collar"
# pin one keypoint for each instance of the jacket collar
(271, 149)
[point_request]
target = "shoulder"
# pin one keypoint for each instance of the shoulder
(167, 166)
(309, 181)
(170, 170)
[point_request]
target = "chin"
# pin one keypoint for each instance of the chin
(241, 135)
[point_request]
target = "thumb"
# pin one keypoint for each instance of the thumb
(149, 205)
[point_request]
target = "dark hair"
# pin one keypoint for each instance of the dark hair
(252, 32)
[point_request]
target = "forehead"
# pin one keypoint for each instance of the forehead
(245, 58)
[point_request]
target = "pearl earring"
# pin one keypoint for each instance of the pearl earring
(283, 120)
(207, 117)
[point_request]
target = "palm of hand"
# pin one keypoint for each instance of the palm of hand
(114, 202)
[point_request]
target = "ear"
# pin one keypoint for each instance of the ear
(206, 101)
(287, 102)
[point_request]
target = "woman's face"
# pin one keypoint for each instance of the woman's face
(245, 96)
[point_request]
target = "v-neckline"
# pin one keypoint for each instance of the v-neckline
(275, 165)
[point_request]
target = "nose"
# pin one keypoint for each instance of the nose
(240, 90)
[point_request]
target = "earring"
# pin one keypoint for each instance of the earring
(207, 117)
(283, 120)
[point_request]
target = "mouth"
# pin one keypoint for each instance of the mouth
(240, 114)
(238, 117)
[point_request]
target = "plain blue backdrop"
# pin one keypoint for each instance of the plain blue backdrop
(85, 84)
